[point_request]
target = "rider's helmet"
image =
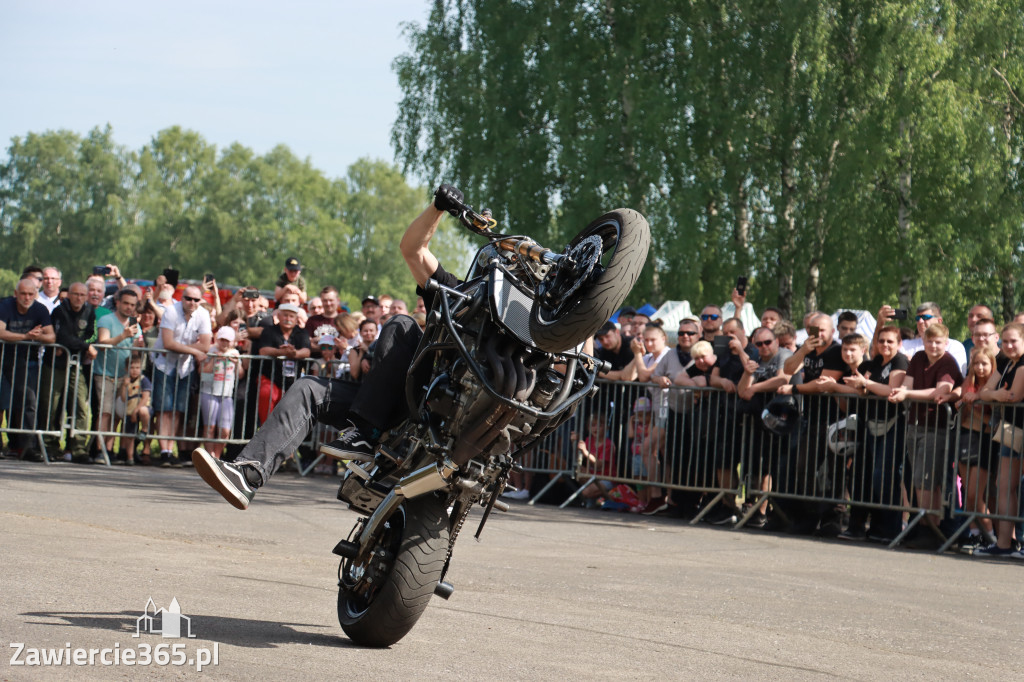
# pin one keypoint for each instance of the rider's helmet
(781, 415)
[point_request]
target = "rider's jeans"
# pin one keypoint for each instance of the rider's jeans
(379, 399)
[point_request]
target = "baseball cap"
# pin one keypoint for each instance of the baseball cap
(326, 340)
(371, 298)
(642, 404)
(226, 333)
(608, 326)
(628, 311)
(292, 264)
(288, 308)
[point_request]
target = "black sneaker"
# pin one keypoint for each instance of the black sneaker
(226, 478)
(350, 444)
(721, 516)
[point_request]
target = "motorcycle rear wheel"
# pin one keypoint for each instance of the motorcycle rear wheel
(416, 541)
(625, 240)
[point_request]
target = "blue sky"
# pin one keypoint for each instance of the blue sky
(313, 75)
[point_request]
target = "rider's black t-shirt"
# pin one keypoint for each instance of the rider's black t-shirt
(444, 278)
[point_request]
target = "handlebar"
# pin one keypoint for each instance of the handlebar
(482, 224)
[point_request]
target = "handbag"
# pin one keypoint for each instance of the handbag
(1009, 435)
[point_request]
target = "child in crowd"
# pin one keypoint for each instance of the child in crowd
(640, 431)
(596, 458)
(976, 451)
(133, 408)
(931, 376)
(219, 374)
(328, 365)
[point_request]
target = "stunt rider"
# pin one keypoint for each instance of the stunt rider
(361, 412)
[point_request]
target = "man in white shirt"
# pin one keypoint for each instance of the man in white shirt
(49, 292)
(928, 313)
(186, 333)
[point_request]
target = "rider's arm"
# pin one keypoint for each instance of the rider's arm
(415, 244)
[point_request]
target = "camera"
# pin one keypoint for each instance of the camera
(100, 270)
(250, 293)
(741, 286)
(899, 314)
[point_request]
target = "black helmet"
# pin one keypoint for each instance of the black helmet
(781, 415)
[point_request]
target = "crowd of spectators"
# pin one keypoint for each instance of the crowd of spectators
(906, 386)
(152, 368)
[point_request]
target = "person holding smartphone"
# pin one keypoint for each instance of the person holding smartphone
(119, 332)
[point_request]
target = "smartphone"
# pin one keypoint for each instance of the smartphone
(899, 314)
(171, 275)
(741, 285)
(208, 277)
(813, 330)
(100, 270)
(721, 343)
(242, 326)
(132, 321)
(250, 293)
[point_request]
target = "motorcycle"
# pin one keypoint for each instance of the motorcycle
(500, 366)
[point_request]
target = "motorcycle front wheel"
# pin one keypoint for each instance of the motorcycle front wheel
(380, 600)
(623, 239)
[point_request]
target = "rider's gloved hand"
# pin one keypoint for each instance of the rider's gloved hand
(448, 198)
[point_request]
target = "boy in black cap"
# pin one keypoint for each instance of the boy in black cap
(292, 275)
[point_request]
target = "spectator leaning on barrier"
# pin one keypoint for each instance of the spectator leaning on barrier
(281, 347)
(120, 330)
(23, 319)
(360, 356)
(74, 322)
(292, 275)
(985, 335)
(186, 334)
(931, 376)
(881, 439)
(760, 380)
(821, 360)
(1007, 386)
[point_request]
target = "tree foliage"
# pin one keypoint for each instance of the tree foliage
(840, 153)
(75, 202)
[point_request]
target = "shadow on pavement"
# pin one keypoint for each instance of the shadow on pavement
(243, 632)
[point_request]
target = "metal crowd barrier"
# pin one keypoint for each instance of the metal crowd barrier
(33, 392)
(81, 402)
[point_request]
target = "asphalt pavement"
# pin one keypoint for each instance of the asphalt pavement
(546, 594)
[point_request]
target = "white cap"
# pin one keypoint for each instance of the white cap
(226, 332)
(288, 308)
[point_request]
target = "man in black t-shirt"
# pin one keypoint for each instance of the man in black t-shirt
(23, 319)
(361, 412)
(821, 360)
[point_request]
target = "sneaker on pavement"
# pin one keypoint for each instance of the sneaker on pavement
(721, 516)
(995, 551)
(350, 444)
(521, 494)
(226, 478)
(67, 457)
(658, 504)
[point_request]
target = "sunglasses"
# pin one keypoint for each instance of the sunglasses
(924, 317)
(762, 344)
(189, 298)
(709, 317)
(326, 347)
(682, 333)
